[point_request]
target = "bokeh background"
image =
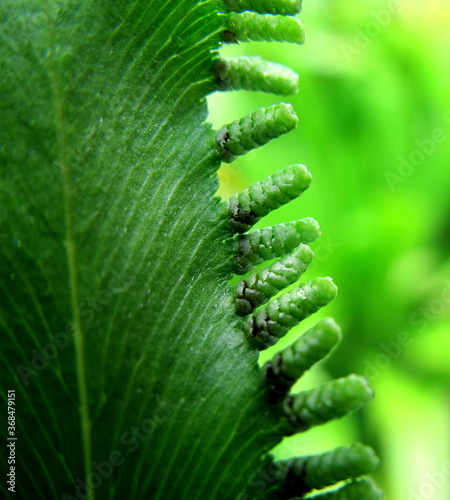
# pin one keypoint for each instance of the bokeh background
(374, 108)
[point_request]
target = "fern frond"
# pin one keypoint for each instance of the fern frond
(133, 353)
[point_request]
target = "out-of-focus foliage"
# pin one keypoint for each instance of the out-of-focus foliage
(374, 107)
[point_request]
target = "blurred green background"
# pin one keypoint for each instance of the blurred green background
(374, 108)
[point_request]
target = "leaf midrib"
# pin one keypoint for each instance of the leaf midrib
(71, 257)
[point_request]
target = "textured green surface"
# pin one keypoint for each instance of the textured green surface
(329, 401)
(269, 242)
(253, 73)
(260, 286)
(327, 469)
(247, 207)
(291, 363)
(274, 320)
(255, 130)
(266, 6)
(250, 26)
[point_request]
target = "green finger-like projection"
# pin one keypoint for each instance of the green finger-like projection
(247, 207)
(303, 474)
(250, 26)
(263, 284)
(265, 6)
(356, 490)
(291, 363)
(327, 402)
(269, 242)
(255, 130)
(275, 319)
(254, 73)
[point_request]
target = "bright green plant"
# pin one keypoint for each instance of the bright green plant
(134, 361)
